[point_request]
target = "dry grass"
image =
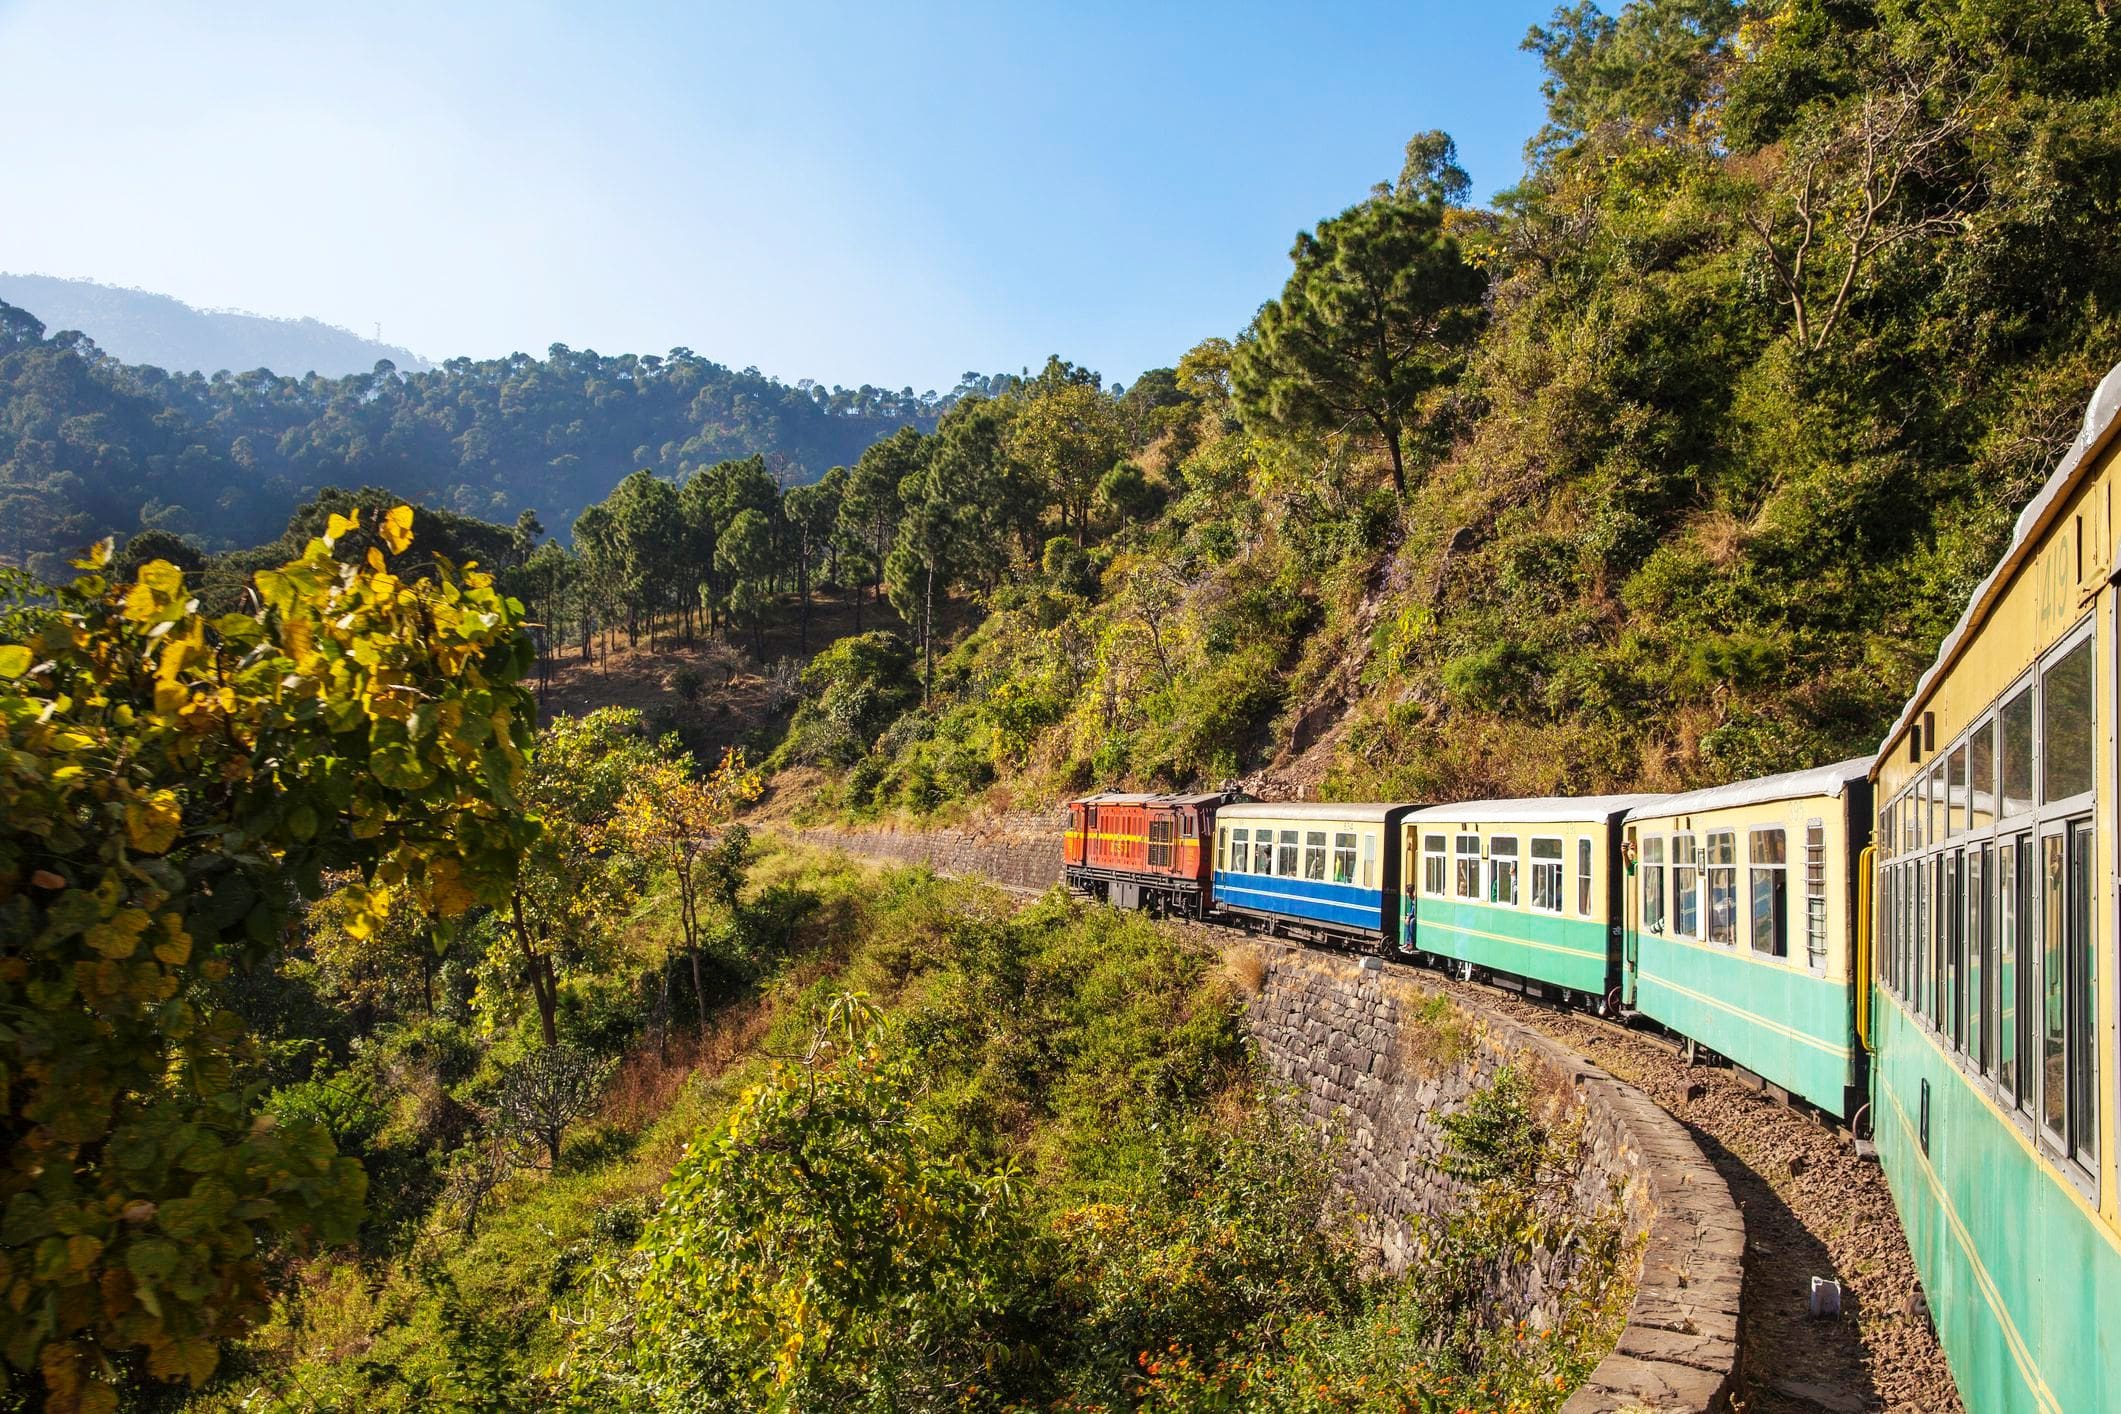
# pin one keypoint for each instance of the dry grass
(1722, 537)
(648, 1081)
(1246, 967)
(1435, 1037)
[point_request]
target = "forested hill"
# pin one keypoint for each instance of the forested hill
(140, 326)
(90, 445)
(1672, 467)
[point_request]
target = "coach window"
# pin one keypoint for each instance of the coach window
(1767, 884)
(1285, 863)
(1940, 908)
(1980, 953)
(1955, 797)
(1955, 947)
(1502, 870)
(1652, 883)
(1315, 855)
(1815, 895)
(1721, 849)
(1344, 857)
(1546, 875)
(1891, 933)
(2082, 963)
(2014, 970)
(1686, 888)
(1935, 827)
(2066, 725)
(1240, 860)
(2015, 725)
(1468, 871)
(2068, 1098)
(1981, 774)
(1435, 865)
(1369, 859)
(1583, 877)
(1263, 851)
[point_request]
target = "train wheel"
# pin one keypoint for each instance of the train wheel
(1609, 1006)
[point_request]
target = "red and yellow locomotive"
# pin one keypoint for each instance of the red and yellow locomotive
(1143, 851)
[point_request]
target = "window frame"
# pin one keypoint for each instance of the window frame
(1351, 849)
(1315, 853)
(1586, 892)
(1553, 869)
(1710, 869)
(1778, 881)
(1288, 854)
(1440, 857)
(1468, 871)
(1647, 919)
(1503, 864)
(1818, 956)
(1690, 889)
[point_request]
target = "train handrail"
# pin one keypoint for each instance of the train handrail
(1862, 969)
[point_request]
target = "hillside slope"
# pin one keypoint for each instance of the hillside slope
(140, 326)
(1794, 310)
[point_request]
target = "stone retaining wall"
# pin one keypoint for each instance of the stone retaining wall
(1357, 1045)
(1021, 851)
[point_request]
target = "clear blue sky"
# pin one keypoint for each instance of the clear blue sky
(860, 193)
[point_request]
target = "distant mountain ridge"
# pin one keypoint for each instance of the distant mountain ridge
(142, 327)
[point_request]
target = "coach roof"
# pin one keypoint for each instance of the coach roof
(1791, 785)
(1309, 810)
(1537, 810)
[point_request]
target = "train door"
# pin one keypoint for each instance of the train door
(1631, 917)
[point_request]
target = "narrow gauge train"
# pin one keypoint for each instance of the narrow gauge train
(1922, 943)
(1993, 1030)
(1524, 892)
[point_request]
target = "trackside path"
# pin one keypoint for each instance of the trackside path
(1812, 1208)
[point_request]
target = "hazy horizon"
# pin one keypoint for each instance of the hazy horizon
(840, 194)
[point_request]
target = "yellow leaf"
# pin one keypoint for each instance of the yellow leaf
(447, 888)
(375, 559)
(161, 576)
(14, 660)
(396, 529)
(171, 697)
(175, 947)
(81, 1250)
(339, 525)
(152, 824)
